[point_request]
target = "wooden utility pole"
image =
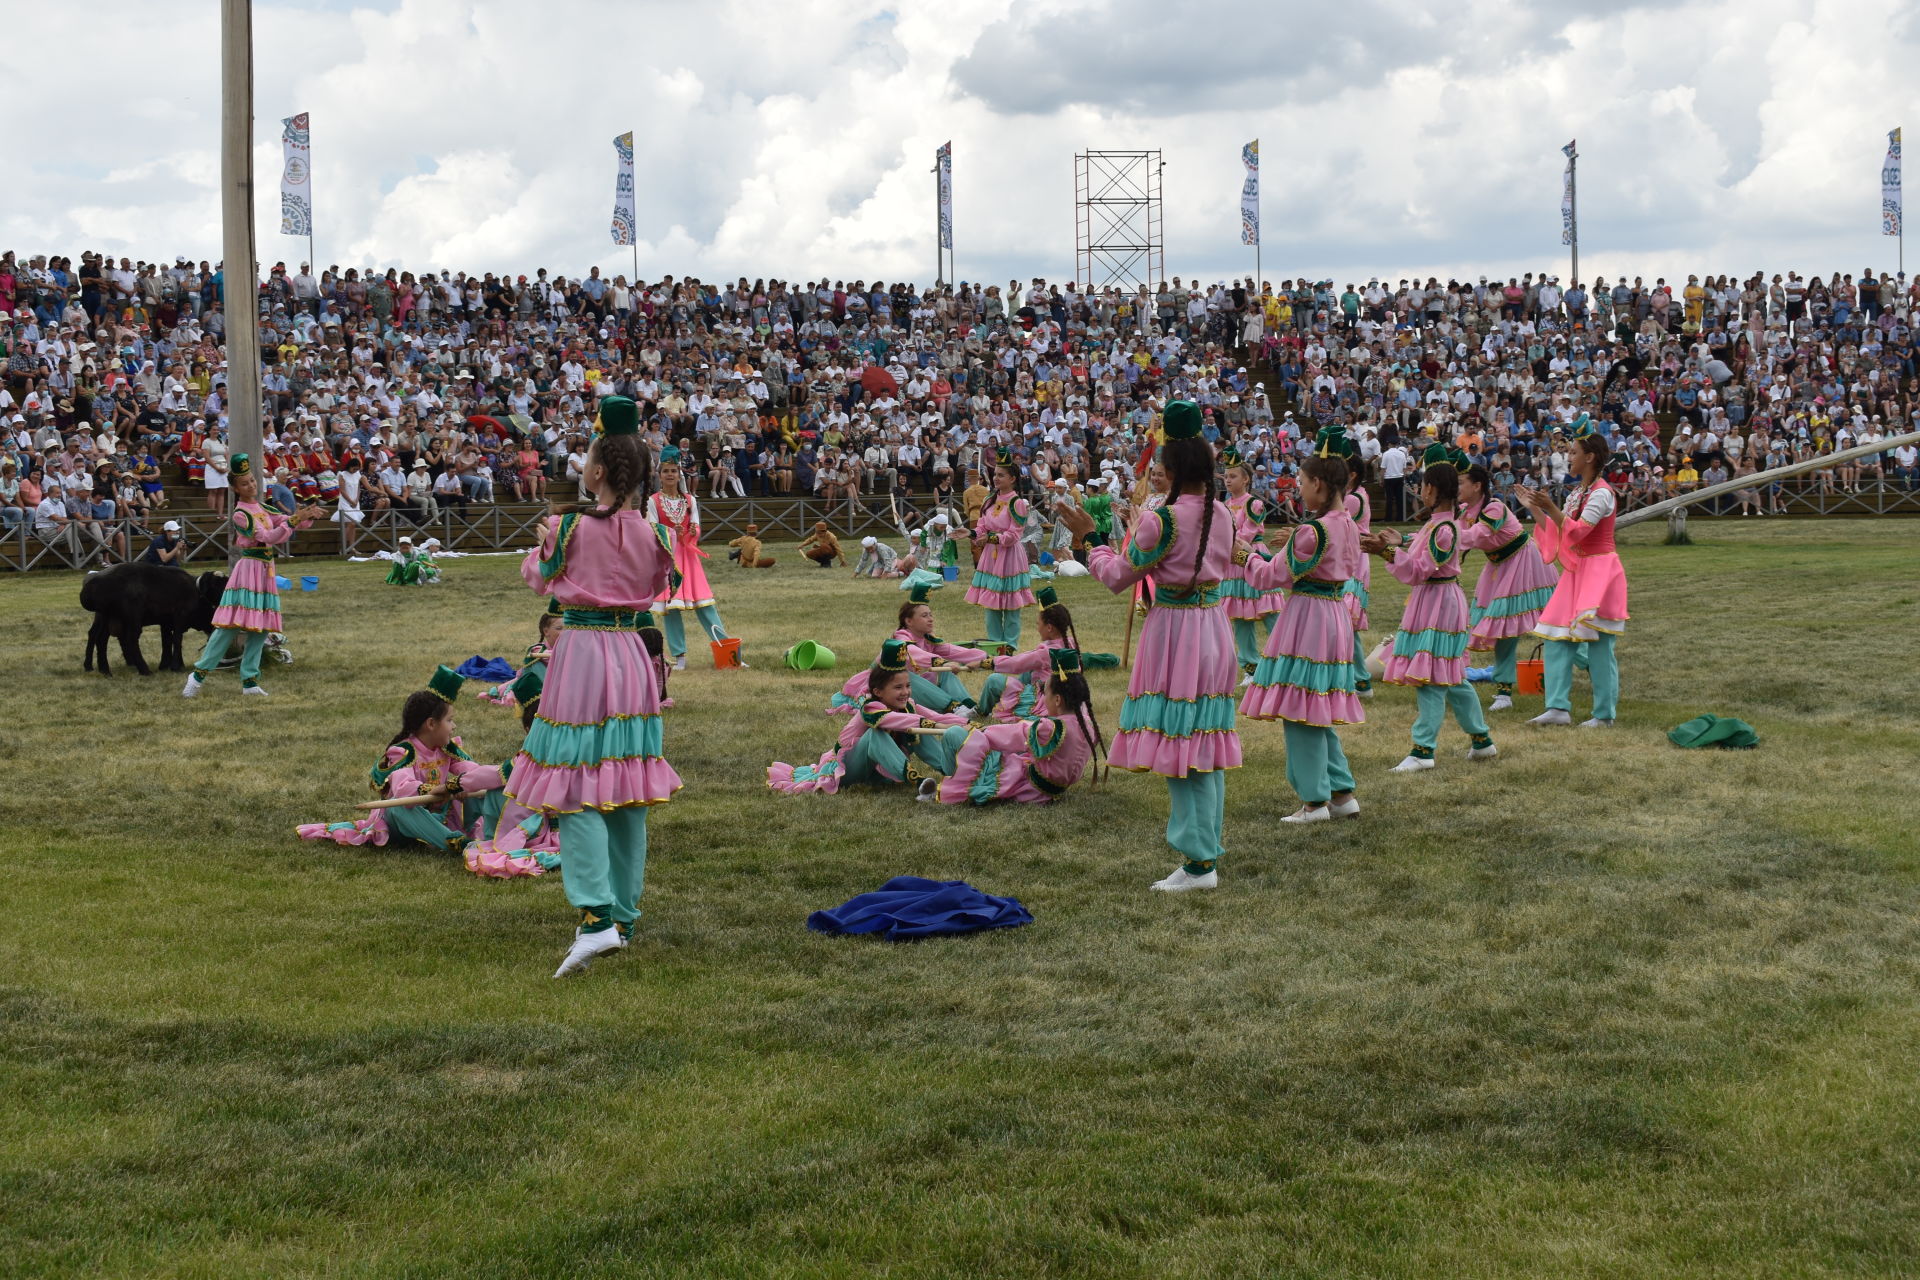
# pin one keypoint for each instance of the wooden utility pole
(240, 273)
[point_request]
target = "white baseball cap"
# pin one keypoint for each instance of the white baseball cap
(171, 526)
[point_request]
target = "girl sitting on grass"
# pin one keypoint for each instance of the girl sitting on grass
(882, 744)
(1030, 762)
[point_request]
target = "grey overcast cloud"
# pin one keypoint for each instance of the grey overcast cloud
(794, 139)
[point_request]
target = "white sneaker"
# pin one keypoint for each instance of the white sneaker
(585, 947)
(253, 691)
(680, 663)
(1501, 702)
(1348, 808)
(929, 791)
(192, 689)
(1487, 752)
(1180, 881)
(1413, 764)
(1551, 717)
(1596, 723)
(1246, 679)
(1309, 813)
(1364, 693)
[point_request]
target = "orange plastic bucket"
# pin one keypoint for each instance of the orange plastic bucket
(1530, 674)
(726, 653)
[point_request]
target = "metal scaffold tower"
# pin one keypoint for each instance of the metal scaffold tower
(1119, 232)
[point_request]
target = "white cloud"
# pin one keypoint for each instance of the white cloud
(795, 139)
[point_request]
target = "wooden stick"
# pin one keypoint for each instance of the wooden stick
(1133, 604)
(405, 802)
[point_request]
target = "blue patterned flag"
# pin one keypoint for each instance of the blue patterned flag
(1890, 187)
(296, 178)
(623, 216)
(1566, 197)
(1250, 194)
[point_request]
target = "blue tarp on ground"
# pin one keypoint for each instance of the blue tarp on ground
(912, 907)
(492, 670)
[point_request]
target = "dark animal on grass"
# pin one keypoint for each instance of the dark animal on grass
(128, 598)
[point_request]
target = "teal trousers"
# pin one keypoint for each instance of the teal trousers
(603, 864)
(1603, 668)
(1316, 763)
(1003, 626)
(216, 649)
(1246, 640)
(1434, 701)
(1362, 678)
(1506, 656)
(424, 825)
(941, 692)
(1197, 808)
(674, 627)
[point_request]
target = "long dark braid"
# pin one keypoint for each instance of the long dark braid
(629, 467)
(1190, 462)
(1078, 697)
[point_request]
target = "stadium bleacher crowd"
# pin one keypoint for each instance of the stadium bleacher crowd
(431, 392)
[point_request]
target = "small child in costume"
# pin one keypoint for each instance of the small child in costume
(525, 687)
(429, 570)
(406, 568)
(822, 547)
(1030, 762)
(424, 759)
(1014, 691)
(746, 550)
(881, 745)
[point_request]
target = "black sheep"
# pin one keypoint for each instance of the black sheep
(128, 598)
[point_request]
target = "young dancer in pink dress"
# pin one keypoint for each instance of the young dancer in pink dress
(1249, 610)
(592, 759)
(678, 512)
(880, 744)
(1305, 679)
(1430, 648)
(250, 606)
(1178, 717)
(1359, 594)
(1589, 604)
(1515, 583)
(1030, 761)
(1002, 577)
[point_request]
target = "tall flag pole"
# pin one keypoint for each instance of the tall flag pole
(1250, 206)
(625, 222)
(943, 201)
(296, 182)
(1570, 211)
(1891, 223)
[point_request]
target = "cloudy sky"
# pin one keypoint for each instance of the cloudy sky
(794, 138)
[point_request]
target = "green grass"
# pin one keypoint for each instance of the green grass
(1598, 1008)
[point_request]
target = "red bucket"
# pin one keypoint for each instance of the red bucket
(726, 652)
(1530, 674)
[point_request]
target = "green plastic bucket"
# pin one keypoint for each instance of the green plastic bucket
(810, 656)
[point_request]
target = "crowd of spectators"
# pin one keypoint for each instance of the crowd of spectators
(437, 392)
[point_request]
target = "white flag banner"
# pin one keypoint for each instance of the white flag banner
(296, 178)
(1890, 187)
(624, 221)
(1250, 194)
(943, 159)
(1566, 197)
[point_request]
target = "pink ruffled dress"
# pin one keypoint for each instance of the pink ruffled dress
(596, 741)
(412, 768)
(1431, 645)
(1515, 584)
(1359, 509)
(251, 601)
(1030, 762)
(1242, 599)
(681, 518)
(1003, 578)
(1011, 694)
(1591, 597)
(1178, 716)
(1306, 674)
(867, 751)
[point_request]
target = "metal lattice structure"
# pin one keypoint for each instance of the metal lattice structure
(1119, 230)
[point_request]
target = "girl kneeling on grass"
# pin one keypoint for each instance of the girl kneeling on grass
(1305, 679)
(592, 759)
(886, 742)
(424, 759)
(1430, 648)
(1030, 762)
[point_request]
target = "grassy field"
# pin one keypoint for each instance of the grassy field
(1598, 1008)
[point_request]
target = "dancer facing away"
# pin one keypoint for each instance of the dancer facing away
(1358, 590)
(1306, 678)
(1030, 762)
(1016, 690)
(1248, 609)
(889, 740)
(1002, 578)
(678, 512)
(424, 759)
(250, 606)
(592, 759)
(1430, 648)
(1177, 720)
(1589, 604)
(1515, 584)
